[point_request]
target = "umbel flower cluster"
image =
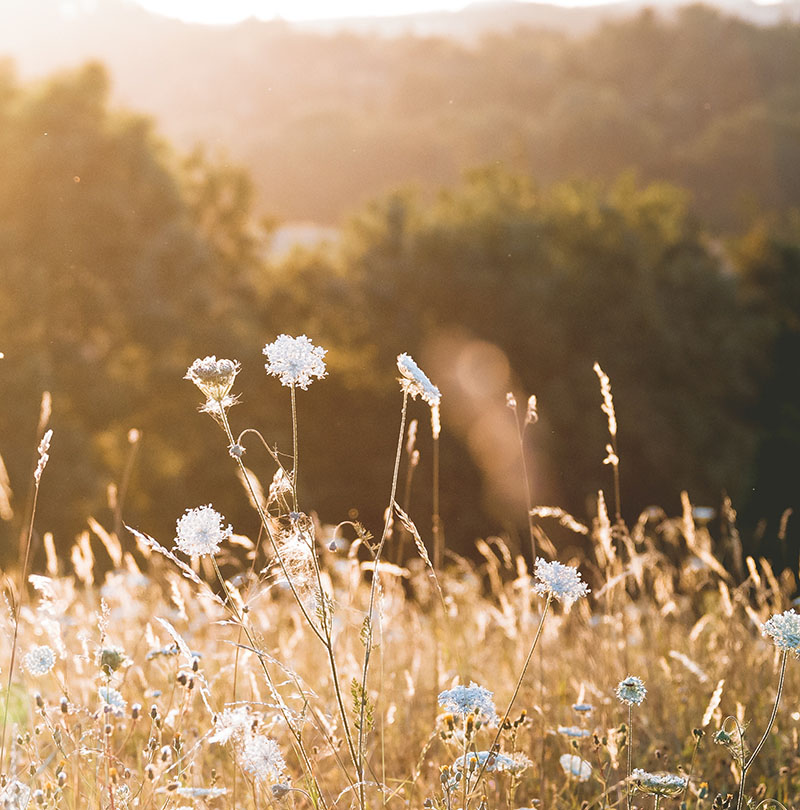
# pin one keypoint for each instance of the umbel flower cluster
(560, 581)
(200, 532)
(784, 630)
(469, 700)
(295, 361)
(631, 690)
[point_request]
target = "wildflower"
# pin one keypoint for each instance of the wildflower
(215, 379)
(561, 581)
(201, 793)
(231, 723)
(200, 531)
(658, 784)
(784, 629)
(295, 360)
(583, 707)
(111, 659)
(113, 699)
(40, 660)
(492, 761)
(574, 732)
(415, 382)
(574, 766)
(631, 690)
(467, 700)
(261, 757)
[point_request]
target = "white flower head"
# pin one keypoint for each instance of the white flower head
(214, 378)
(658, 784)
(784, 630)
(574, 732)
(113, 699)
(574, 766)
(295, 360)
(631, 690)
(415, 382)
(39, 660)
(492, 761)
(561, 581)
(200, 531)
(261, 757)
(466, 700)
(232, 724)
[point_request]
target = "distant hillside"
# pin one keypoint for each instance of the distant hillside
(328, 115)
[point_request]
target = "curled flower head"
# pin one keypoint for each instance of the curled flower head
(561, 581)
(466, 700)
(631, 690)
(784, 630)
(574, 766)
(658, 784)
(214, 377)
(200, 531)
(112, 699)
(261, 757)
(415, 382)
(295, 360)
(39, 660)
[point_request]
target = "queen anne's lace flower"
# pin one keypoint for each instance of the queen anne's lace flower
(261, 757)
(574, 732)
(40, 660)
(112, 698)
(295, 360)
(215, 379)
(492, 761)
(561, 581)
(200, 531)
(574, 766)
(466, 700)
(415, 382)
(231, 724)
(631, 690)
(784, 630)
(658, 784)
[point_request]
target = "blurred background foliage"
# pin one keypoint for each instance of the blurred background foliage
(635, 202)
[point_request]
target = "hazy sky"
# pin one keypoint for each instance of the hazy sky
(221, 11)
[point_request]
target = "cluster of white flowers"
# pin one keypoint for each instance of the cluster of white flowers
(658, 784)
(232, 724)
(39, 661)
(784, 630)
(466, 700)
(574, 766)
(200, 531)
(561, 581)
(631, 690)
(215, 379)
(295, 360)
(113, 699)
(415, 382)
(574, 732)
(261, 757)
(492, 761)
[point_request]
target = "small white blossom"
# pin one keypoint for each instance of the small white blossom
(574, 766)
(261, 757)
(200, 531)
(492, 761)
(561, 581)
(658, 784)
(295, 360)
(112, 698)
(215, 379)
(39, 661)
(784, 630)
(631, 690)
(415, 382)
(231, 724)
(466, 700)
(574, 732)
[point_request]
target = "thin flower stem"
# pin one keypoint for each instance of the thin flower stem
(629, 757)
(746, 764)
(438, 549)
(298, 740)
(526, 477)
(516, 688)
(371, 606)
(17, 607)
(268, 531)
(294, 448)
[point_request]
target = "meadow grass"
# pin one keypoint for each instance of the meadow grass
(300, 669)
